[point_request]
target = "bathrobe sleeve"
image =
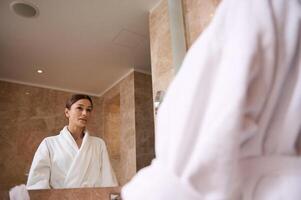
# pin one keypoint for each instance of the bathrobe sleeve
(108, 178)
(39, 174)
(230, 80)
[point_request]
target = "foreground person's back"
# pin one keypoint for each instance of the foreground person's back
(229, 125)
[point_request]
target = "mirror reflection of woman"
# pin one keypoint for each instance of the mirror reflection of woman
(73, 158)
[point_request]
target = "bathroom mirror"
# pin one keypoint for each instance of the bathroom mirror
(56, 48)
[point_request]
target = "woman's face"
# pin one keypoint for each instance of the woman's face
(79, 113)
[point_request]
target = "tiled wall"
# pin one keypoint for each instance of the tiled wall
(112, 126)
(144, 120)
(161, 52)
(29, 114)
(197, 15)
(68, 194)
(121, 102)
(128, 108)
(74, 194)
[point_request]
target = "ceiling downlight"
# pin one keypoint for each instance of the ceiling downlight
(24, 9)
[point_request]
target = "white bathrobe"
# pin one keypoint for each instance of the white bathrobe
(59, 163)
(229, 122)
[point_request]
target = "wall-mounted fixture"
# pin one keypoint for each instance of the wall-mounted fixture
(158, 100)
(115, 196)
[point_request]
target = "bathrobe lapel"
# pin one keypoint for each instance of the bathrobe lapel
(81, 159)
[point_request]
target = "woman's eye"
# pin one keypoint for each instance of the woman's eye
(79, 108)
(89, 110)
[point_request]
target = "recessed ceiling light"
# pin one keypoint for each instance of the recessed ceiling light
(24, 9)
(39, 71)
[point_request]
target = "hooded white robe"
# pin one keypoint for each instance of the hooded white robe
(229, 122)
(59, 163)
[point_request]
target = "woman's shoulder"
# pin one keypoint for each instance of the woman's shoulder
(97, 140)
(51, 138)
(46, 143)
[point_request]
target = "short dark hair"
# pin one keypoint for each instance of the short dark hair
(75, 97)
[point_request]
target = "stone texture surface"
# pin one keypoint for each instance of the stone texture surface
(4, 195)
(144, 120)
(197, 16)
(69, 194)
(112, 126)
(128, 124)
(128, 131)
(161, 51)
(119, 128)
(74, 194)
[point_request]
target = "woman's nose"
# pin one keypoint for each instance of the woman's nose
(85, 112)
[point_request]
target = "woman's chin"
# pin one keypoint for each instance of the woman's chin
(82, 124)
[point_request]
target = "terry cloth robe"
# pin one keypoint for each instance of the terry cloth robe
(230, 121)
(59, 163)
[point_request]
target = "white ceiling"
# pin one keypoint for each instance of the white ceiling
(82, 46)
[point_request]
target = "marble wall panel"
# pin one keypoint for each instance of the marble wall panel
(197, 16)
(144, 120)
(161, 51)
(74, 194)
(120, 99)
(112, 126)
(132, 98)
(128, 131)
(111, 134)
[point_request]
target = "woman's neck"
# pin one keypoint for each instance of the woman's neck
(76, 132)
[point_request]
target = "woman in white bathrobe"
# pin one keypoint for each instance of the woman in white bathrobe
(72, 159)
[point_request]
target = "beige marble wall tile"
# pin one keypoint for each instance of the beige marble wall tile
(94, 126)
(197, 16)
(120, 99)
(161, 52)
(144, 120)
(112, 126)
(74, 194)
(111, 134)
(128, 131)
(132, 99)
